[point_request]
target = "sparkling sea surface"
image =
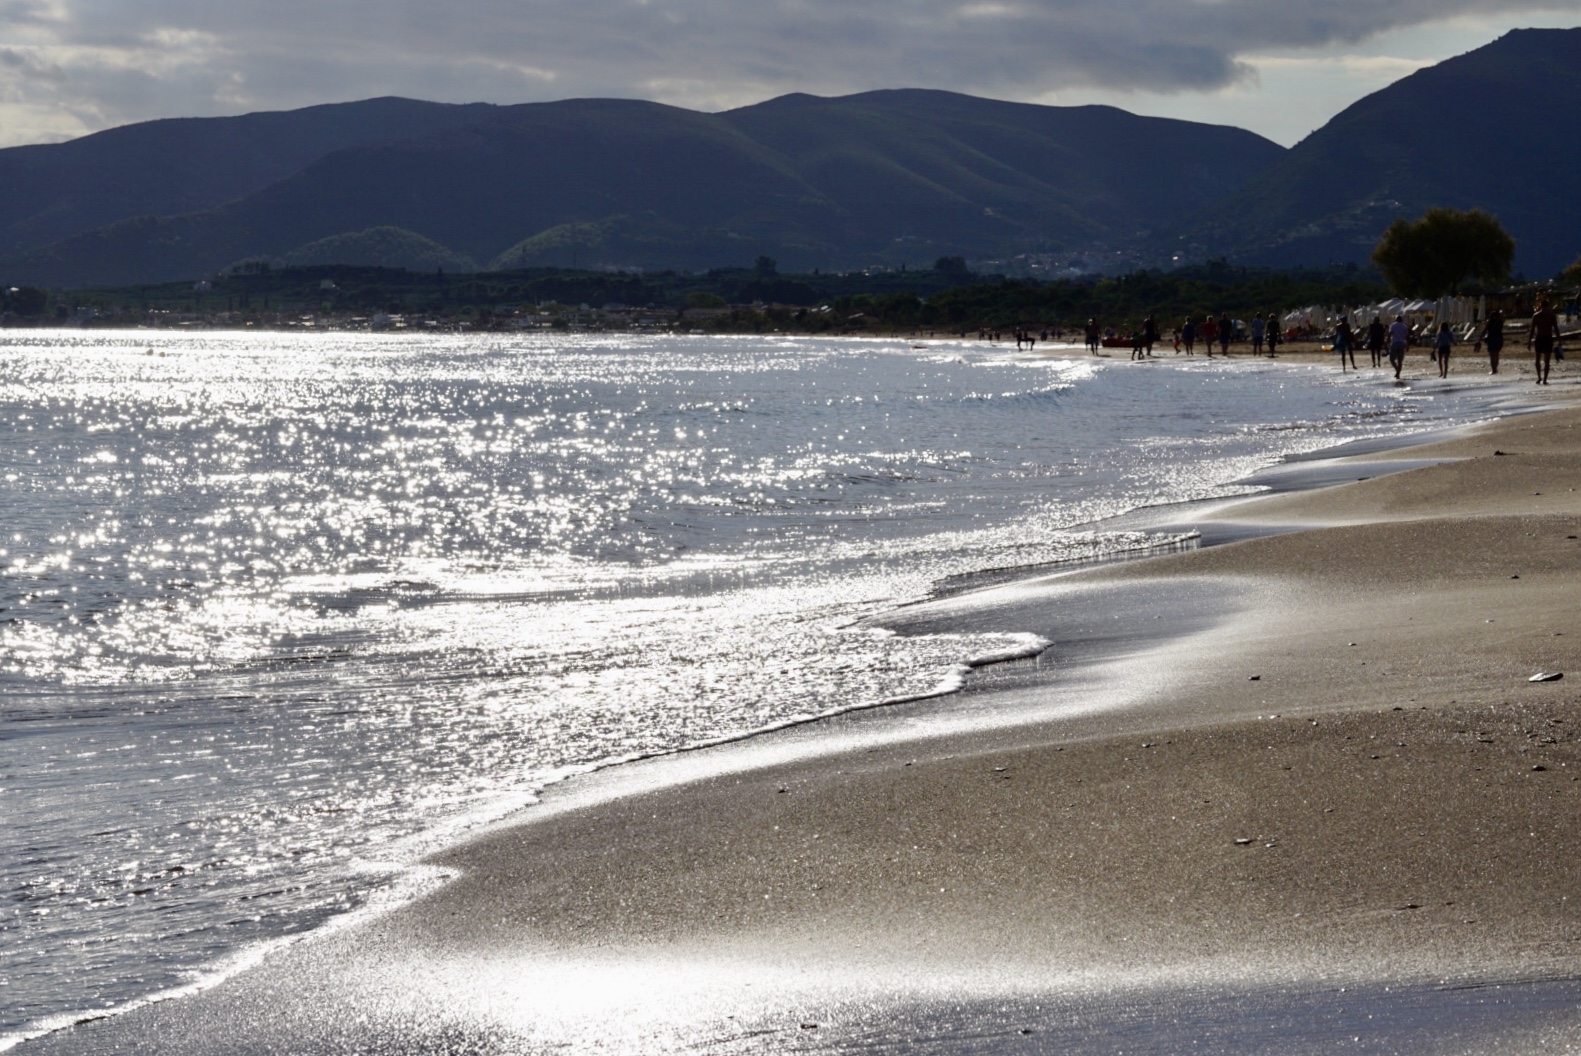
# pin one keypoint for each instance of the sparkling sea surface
(280, 612)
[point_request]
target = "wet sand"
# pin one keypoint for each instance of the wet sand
(1327, 805)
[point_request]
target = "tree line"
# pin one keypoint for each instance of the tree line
(1441, 253)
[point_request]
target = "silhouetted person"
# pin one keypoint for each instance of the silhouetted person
(1344, 344)
(1226, 331)
(1541, 338)
(1188, 335)
(1399, 338)
(1446, 341)
(1493, 337)
(1377, 337)
(1257, 335)
(1274, 336)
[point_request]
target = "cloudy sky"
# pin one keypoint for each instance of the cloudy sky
(1278, 67)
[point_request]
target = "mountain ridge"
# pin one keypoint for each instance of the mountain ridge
(817, 182)
(884, 177)
(1454, 134)
(178, 165)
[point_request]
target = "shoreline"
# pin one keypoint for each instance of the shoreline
(579, 820)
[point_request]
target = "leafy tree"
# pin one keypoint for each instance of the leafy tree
(704, 299)
(27, 301)
(767, 266)
(1435, 255)
(951, 266)
(1571, 276)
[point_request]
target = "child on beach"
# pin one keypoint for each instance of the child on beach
(1446, 340)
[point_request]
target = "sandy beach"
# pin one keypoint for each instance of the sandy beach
(1319, 802)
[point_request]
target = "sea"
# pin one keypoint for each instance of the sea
(282, 613)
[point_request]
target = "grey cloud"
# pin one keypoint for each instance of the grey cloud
(695, 52)
(24, 13)
(23, 67)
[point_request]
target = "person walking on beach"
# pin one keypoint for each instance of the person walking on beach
(1542, 336)
(1188, 335)
(1092, 336)
(1274, 336)
(1209, 332)
(1149, 335)
(1399, 338)
(1446, 340)
(1257, 335)
(1226, 331)
(1493, 335)
(1344, 344)
(1376, 337)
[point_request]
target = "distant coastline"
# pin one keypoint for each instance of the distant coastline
(943, 298)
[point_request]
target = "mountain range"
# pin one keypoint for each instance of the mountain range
(883, 177)
(1488, 129)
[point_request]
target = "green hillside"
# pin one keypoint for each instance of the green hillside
(379, 247)
(1486, 130)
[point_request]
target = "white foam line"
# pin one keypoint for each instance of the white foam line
(1030, 647)
(413, 881)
